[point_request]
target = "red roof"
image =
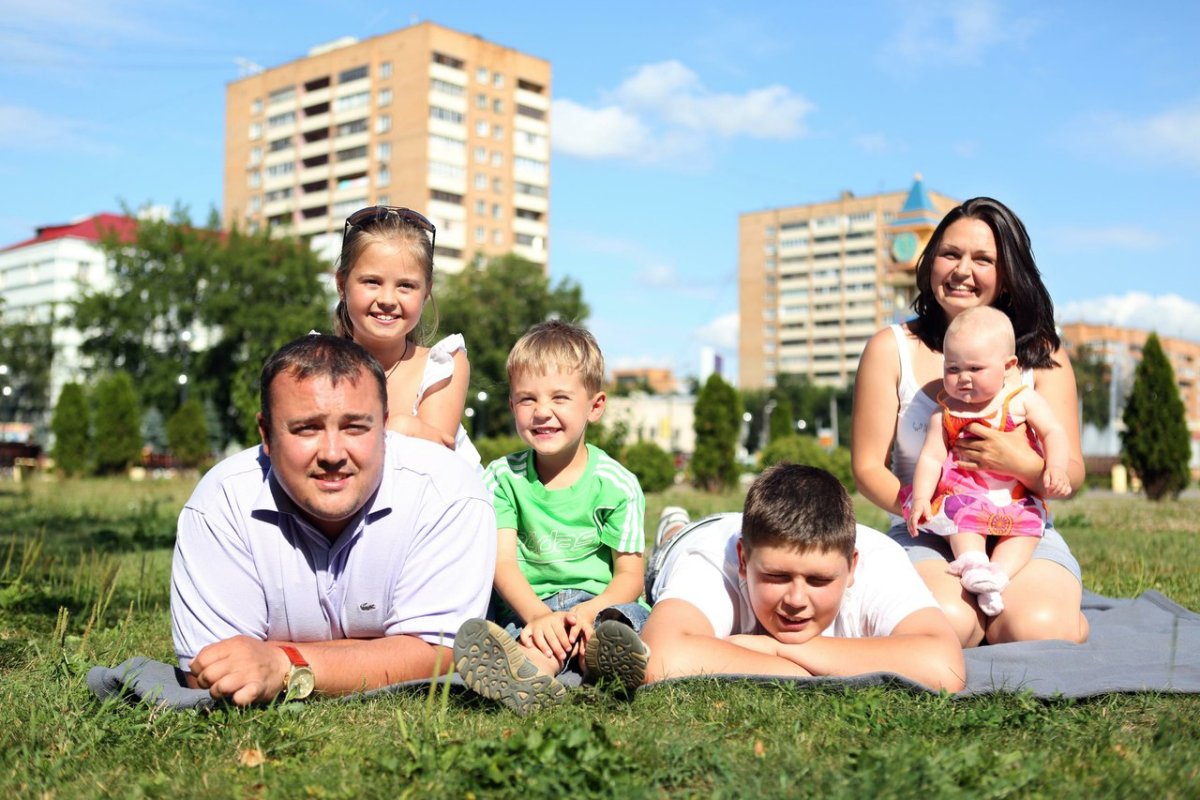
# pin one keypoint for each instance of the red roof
(92, 228)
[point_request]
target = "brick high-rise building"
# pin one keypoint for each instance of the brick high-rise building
(443, 122)
(815, 281)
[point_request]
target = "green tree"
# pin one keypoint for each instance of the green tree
(179, 286)
(653, 466)
(154, 430)
(491, 303)
(117, 427)
(718, 416)
(782, 422)
(187, 433)
(26, 353)
(1155, 443)
(72, 431)
(1092, 378)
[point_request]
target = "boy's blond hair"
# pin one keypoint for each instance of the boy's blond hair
(987, 323)
(556, 346)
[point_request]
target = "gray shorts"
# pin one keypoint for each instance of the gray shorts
(928, 546)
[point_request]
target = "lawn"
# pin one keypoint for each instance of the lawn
(84, 570)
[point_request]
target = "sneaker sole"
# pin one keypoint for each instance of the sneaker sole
(492, 665)
(617, 656)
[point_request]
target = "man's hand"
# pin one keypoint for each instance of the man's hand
(243, 669)
(552, 634)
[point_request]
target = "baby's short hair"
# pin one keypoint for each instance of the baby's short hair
(799, 507)
(984, 321)
(556, 346)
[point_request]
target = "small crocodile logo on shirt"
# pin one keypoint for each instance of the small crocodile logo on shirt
(366, 606)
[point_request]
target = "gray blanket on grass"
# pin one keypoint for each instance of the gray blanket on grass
(1144, 644)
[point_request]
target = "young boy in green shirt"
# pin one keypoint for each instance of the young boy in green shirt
(570, 535)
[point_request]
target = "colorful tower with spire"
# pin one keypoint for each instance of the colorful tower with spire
(907, 235)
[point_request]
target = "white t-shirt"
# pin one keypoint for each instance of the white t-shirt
(418, 559)
(701, 567)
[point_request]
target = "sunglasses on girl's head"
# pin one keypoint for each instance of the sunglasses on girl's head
(365, 216)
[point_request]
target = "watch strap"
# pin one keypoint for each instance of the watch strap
(293, 655)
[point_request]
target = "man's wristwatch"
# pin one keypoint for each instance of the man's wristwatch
(299, 681)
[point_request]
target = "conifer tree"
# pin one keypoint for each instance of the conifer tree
(187, 432)
(1155, 443)
(117, 432)
(718, 417)
(72, 434)
(781, 419)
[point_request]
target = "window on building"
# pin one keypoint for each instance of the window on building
(498, 133)
(255, 130)
(481, 101)
(530, 111)
(526, 213)
(446, 115)
(383, 151)
(351, 153)
(497, 158)
(497, 212)
(383, 123)
(279, 170)
(533, 190)
(447, 60)
(356, 126)
(349, 101)
(481, 128)
(498, 185)
(446, 197)
(282, 95)
(529, 86)
(280, 144)
(441, 169)
(531, 166)
(385, 69)
(497, 237)
(480, 234)
(480, 180)
(480, 207)
(352, 74)
(279, 120)
(385, 97)
(255, 155)
(254, 179)
(498, 80)
(317, 83)
(498, 106)
(524, 239)
(383, 176)
(256, 107)
(481, 75)
(481, 155)
(446, 87)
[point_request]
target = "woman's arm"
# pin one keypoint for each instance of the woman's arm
(1010, 453)
(873, 422)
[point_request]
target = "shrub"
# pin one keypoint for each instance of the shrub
(187, 432)
(797, 449)
(653, 466)
(494, 447)
(1155, 443)
(72, 431)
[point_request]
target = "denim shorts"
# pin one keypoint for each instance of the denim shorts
(632, 614)
(928, 546)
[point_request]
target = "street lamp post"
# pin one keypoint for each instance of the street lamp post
(481, 420)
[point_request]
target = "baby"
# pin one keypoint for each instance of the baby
(967, 506)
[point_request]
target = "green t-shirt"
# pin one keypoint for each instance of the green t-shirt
(566, 537)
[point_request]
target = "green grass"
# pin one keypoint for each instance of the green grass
(100, 550)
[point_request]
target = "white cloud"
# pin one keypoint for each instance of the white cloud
(1169, 314)
(59, 33)
(1123, 237)
(1172, 136)
(24, 128)
(722, 332)
(664, 112)
(955, 33)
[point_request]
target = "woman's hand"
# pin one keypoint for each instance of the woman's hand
(1006, 452)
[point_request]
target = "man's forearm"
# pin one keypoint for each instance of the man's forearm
(685, 654)
(342, 666)
(925, 658)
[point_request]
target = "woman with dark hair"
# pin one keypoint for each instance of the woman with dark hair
(979, 255)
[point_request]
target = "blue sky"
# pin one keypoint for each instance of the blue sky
(672, 118)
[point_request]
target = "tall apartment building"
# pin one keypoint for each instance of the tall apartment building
(425, 117)
(816, 281)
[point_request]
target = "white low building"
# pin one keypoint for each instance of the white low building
(666, 420)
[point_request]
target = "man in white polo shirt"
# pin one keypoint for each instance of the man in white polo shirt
(335, 556)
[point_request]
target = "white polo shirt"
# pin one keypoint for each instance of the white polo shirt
(701, 567)
(418, 559)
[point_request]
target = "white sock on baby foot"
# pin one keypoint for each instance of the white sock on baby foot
(966, 561)
(990, 603)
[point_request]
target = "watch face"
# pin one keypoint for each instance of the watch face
(300, 683)
(904, 246)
